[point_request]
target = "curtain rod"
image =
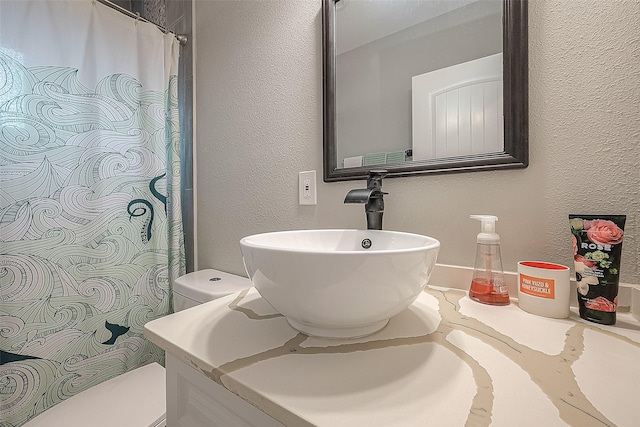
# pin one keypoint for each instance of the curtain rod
(181, 37)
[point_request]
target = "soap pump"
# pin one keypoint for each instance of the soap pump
(488, 285)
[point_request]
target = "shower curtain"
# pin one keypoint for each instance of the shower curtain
(90, 226)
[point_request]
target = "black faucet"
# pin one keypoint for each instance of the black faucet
(373, 196)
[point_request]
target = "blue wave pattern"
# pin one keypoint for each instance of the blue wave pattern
(90, 230)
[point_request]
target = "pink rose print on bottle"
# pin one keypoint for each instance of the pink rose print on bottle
(603, 232)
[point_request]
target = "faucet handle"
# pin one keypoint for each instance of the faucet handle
(375, 178)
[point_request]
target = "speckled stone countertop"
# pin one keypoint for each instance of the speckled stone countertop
(444, 361)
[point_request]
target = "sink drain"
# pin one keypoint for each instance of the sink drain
(366, 243)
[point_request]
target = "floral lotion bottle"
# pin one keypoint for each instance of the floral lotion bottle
(488, 285)
(597, 252)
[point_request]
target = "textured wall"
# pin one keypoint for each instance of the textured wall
(259, 122)
(151, 10)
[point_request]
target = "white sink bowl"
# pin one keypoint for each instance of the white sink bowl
(327, 283)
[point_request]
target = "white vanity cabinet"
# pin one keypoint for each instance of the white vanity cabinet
(193, 400)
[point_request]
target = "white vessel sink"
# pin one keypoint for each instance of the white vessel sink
(328, 283)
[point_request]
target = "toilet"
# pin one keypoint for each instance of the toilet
(139, 395)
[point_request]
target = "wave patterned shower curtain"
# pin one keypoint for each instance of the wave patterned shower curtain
(90, 226)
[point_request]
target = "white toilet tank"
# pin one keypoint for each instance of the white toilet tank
(205, 285)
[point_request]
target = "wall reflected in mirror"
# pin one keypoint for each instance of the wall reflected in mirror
(424, 86)
(417, 80)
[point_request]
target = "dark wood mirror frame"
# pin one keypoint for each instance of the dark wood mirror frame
(516, 107)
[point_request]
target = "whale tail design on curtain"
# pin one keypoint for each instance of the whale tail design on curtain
(90, 226)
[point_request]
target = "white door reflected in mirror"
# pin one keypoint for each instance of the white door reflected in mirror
(457, 111)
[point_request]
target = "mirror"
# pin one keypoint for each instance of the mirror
(381, 107)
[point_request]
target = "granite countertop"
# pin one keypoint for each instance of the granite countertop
(446, 360)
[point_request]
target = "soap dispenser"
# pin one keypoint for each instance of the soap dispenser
(488, 285)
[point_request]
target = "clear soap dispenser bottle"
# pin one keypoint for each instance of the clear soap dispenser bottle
(488, 285)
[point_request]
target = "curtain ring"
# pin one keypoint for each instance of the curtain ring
(137, 18)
